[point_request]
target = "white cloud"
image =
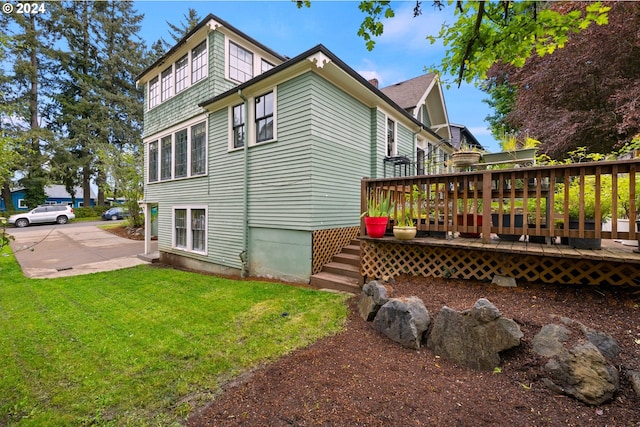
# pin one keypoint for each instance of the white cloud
(480, 130)
(406, 31)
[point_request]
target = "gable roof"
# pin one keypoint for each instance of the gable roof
(332, 58)
(407, 94)
(201, 24)
(57, 191)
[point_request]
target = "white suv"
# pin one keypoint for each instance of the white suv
(50, 213)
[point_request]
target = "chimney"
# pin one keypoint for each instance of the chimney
(374, 82)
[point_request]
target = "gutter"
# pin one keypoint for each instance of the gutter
(244, 255)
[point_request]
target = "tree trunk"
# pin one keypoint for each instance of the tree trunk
(6, 196)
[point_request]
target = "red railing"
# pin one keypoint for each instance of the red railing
(580, 200)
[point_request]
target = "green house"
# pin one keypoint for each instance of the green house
(253, 160)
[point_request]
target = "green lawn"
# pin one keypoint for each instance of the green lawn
(141, 346)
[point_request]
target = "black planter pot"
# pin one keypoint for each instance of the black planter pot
(537, 239)
(583, 243)
(518, 220)
(437, 234)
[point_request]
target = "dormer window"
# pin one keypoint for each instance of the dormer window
(240, 63)
(199, 62)
(182, 73)
(154, 92)
(165, 82)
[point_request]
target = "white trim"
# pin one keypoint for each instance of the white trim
(189, 237)
(250, 137)
(394, 147)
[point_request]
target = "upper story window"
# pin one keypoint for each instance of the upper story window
(391, 138)
(265, 66)
(264, 117)
(180, 154)
(199, 62)
(182, 73)
(238, 121)
(154, 92)
(240, 63)
(165, 83)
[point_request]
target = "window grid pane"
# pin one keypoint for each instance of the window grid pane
(265, 66)
(199, 62)
(240, 63)
(182, 77)
(154, 92)
(166, 152)
(198, 149)
(181, 154)
(198, 227)
(238, 126)
(264, 117)
(181, 228)
(166, 83)
(153, 161)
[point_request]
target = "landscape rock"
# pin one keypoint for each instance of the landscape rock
(634, 377)
(475, 337)
(581, 371)
(503, 281)
(404, 320)
(374, 295)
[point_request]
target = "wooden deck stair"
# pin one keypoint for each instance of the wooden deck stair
(343, 272)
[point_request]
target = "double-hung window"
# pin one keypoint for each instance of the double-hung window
(182, 73)
(154, 92)
(199, 62)
(391, 138)
(181, 154)
(238, 126)
(165, 81)
(198, 149)
(190, 228)
(240, 63)
(264, 117)
(166, 155)
(153, 161)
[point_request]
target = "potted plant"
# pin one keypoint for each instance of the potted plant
(376, 217)
(404, 228)
(466, 156)
(504, 218)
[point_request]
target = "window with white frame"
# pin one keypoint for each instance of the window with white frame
(240, 63)
(154, 92)
(238, 121)
(265, 66)
(182, 73)
(198, 149)
(22, 204)
(190, 228)
(264, 117)
(391, 138)
(153, 161)
(166, 157)
(199, 62)
(166, 83)
(180, 154)
(180, 163)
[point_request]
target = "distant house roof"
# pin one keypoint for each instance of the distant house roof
(58, 192)
(460, 134)
(407, 94)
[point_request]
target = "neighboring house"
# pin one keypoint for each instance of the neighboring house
(253, 161)
(461, 136)
(56, 195)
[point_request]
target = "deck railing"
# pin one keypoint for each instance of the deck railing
(542, 202)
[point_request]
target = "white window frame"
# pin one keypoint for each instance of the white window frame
(166, 83)
(172, 132)
(228, 61)
(22, 204)
(189, 238)
(148, 157)
(394, 142)
(205, 65)
(153, 96)
(185, 79)
(250, 135)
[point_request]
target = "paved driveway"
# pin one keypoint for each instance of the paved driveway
(77, 248)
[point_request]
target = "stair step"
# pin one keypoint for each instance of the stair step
(348, 270)
(350, 259)
(326, 280)
(351, 249)
(354, 242)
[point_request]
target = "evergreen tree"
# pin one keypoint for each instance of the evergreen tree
(191, 19)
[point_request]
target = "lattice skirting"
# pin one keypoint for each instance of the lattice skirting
(327, 243)
(386, 260)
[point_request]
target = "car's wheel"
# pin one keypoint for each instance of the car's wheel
(62, 219)
(22, 222)
(114, 217)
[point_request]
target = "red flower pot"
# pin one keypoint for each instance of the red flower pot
(470, 223)
(376, 225)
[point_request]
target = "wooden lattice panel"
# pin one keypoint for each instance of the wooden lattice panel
(386, 259)
(327, 243)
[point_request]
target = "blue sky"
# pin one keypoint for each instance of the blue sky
(401, 53)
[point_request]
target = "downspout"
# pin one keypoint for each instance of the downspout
(244, 255)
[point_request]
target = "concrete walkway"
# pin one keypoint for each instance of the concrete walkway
(73, 249)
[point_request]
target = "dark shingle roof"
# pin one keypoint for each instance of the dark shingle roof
(407, 94)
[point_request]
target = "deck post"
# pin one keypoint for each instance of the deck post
(486, 206)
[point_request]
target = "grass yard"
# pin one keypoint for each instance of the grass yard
(141, 346)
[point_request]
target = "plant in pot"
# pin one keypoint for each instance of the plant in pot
(504, 218)
(469, 215)
(376, 217)
(404, 228)
(466, 156)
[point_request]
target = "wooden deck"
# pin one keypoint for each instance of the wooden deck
(615, 264)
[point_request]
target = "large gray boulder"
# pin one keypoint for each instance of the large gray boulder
(579, 369)
(404, 320)
(475, 337)
(374, 295)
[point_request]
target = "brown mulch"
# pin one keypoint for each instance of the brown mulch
(126, 232)
(361, 378)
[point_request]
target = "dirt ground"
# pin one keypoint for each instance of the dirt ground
(361, 378)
